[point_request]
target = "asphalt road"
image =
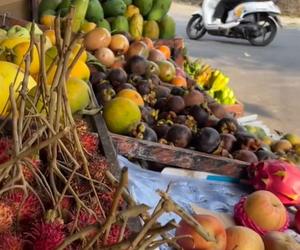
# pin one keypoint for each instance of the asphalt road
(265, 79)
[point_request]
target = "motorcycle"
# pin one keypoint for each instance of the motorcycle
(254, 21)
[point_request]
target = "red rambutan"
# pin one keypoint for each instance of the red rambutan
(5, 149)
(6, 217)
(97, 168)
(28, 171)
(106, 200)
(9, 241)
(46, 236)
(114, 235)
(90, 142)
(25, 208)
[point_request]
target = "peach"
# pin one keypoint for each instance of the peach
(266, 210)
(212, 225)
(280, 241)
(243, 238)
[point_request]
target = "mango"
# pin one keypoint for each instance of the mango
(145, 6)
(94, 12)
(159, 9)
(151, 30)
(114, 8)
(119, 24)
(167, 28)
(136, 26)
(9, 74)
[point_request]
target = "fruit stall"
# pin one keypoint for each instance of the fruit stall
(113, 137)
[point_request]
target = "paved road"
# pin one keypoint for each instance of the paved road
(266, 79)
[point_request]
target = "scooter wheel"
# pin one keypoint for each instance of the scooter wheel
(195, 28)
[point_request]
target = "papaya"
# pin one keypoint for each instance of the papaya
(104, 24)
(114, 8)
(119, 24)
(159, 9)
(151, 30)
(144, 5)
(131, 10)
(167, 28)
(64, 7)
(48, 5)
(136, 26)
(127, 2)
(94, 12)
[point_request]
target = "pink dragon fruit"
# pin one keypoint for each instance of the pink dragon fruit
(279, 177)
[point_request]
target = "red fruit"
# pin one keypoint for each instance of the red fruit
(24, 210)
(297, 221)
(114, 234)
(97, 167)
(46, 236)
(5, 149)
(28, 171)
(279, 177)
(106, 200)
(9, 241)
(6, 217)
(90, 142)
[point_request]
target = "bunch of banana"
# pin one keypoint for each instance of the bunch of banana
(225, 96)
(192, 68)
(204, 75)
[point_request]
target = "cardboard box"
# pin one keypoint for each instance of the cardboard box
(15, 8)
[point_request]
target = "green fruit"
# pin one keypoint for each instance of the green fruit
(292, 138)
(119, 24)
(127, 2)
(113, 8)
(94, 12)
(48, 12)
(64, 7)
(167, 71)
(151, 30)
(136, 24)
(48, 5)
(159, 9)
(167, 28)
(121, 115)
(104, 24)
(144, 5)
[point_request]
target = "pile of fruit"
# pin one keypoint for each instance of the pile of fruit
(146, 18)
(212, 80)
(56, 190)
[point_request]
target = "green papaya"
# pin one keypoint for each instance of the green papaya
(151, 30)
(127, 2)
(48, 5)
(94, 12)
(167, 28)
(114, 8)
(136, 24)
(104, 24)
(159, 9)
(119, 24)
(144, 5)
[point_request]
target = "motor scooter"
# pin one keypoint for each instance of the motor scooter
(254, 21)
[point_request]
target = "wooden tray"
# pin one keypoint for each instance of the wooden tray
(178, 157)
(236, 109)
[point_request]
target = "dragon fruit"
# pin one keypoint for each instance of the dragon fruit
(279, 177)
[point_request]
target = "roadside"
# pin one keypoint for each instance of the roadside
(178, 7)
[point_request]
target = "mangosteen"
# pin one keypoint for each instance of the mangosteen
(137, 65)
(134, 79)
(227, 141)
(124, 86)
(245, 155)
(217, 110)
(155, 79)
(168, 116)
(149, 115)
(200, 115)
(117, 76)
(247, 141)
(97, 77)
(162, 91)
(162, 130)
(264, 155)
(144, 132)
(161, 104)
(175, 103)
(193, 98)
(101, 86)
(105, 95)
(227, 125)
(212, 121)
(207, 140)
(181, 119)
(178, 91)
(180, 135)
(144, 87)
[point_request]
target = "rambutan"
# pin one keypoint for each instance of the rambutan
(5, 149)
(9, 241)
(28, 170)
(46, 236)
(114, 235)
(90, 142)
(97, 168)
(106, 200)
(6, 217)
(24, 208)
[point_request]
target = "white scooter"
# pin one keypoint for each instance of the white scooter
(254, 21)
